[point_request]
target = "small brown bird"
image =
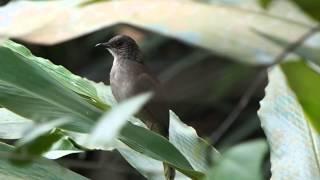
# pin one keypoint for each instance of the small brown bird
(129, 77)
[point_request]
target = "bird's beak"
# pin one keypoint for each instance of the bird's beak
(104, 45)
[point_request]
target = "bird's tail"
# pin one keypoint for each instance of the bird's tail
(169, 172)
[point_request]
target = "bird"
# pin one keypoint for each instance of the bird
(129, 76)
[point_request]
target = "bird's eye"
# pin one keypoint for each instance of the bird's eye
(120, 43)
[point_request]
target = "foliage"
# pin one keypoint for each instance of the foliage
(53, 112)
(138, 138)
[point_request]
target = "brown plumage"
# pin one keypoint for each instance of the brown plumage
(130, 77)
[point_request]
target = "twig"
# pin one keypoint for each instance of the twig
(244, 100)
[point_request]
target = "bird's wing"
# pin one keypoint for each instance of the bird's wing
(156, 112)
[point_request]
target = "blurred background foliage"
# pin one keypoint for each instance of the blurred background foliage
(212, 57)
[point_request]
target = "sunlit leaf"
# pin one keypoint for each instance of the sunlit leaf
(107, 129)
(194, 148)
(13, 126)
(294, 143)
(228, 37)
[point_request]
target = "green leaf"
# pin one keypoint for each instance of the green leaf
(185, 139)
(150, 168)
(241, 162)
(305, 83)
(157, 147)
(64, 146)
(23, 83)
(13, 126)
(40, 169)
(35, 148)
(41, 129)
(311, 7)
(265, 3)
(194, 148)
(107, 129)
(94, 92)
(294, 143)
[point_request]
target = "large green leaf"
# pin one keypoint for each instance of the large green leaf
(94, 92)
(181, 20)
(108, 128)
(40, 169)
(294, 143)
(241, 162)
(23, 82)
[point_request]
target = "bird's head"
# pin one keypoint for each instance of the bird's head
(122, 47)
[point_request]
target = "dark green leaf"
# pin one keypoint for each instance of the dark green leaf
(305, 82)
(157, 147)
(265, 3)
(32, 150)
(311, 7)
(40, 169)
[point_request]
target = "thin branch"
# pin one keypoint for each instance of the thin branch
(244, 100)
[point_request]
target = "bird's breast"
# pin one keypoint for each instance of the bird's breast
(121, 79)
